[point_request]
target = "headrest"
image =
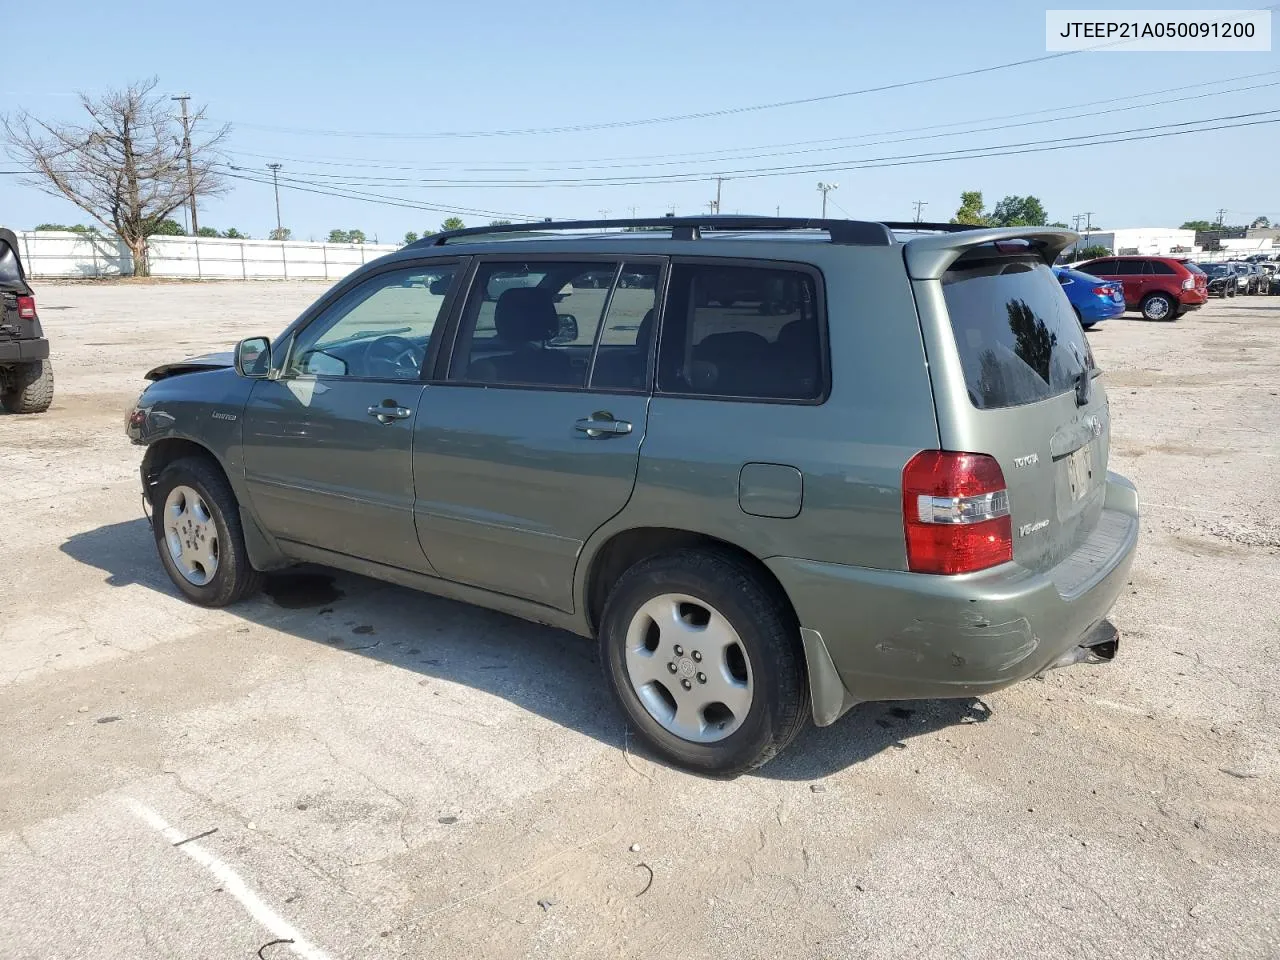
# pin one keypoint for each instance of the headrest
(644, 332)
(526, 314)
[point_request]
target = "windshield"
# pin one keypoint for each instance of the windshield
(1017, 335)
(1214, 269)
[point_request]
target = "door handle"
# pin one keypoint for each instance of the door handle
(388, 411)
(603, 425)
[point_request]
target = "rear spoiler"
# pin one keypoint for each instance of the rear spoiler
(928, 257)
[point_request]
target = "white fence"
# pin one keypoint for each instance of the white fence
(72, 255)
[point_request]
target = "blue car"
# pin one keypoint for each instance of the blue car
(1094, 300)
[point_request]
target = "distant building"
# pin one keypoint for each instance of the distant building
(1146, 241)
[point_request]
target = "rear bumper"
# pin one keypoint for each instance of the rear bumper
(893, 635)
(20, 351)
(1098, 309)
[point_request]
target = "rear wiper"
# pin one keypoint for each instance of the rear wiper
(1084, 385)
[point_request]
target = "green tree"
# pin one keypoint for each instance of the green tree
(1015, 211)
(280, 233)
(971, 211)
(164, 227)
(1057, 224)
(1261, 223)
(498, 223)
(207, 232)
(233, 234)
(410, 237)
(339, 236)
(452, 223)
(355, 236)
(1199, 225)
(72, 228)
(1093, 252)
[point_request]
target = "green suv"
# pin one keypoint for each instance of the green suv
(777, 467)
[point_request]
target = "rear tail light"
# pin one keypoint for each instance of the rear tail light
(1189, 283)
(955, 511)
(26, 308)
(1102, 291)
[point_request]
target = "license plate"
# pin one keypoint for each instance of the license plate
(1080, 471)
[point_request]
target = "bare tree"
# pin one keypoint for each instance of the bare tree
(126, 167)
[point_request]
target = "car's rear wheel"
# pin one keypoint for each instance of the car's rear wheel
(28, 388)
(196, 522)
(1158, 306)
(703, 655)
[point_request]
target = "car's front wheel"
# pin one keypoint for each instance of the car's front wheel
(196, 522)
(28, 387)
(1158, 306)
(704, 657)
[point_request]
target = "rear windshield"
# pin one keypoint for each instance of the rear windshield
(1018, 337)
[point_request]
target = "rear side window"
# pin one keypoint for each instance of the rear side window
(1018, 338)
(1100, 268)
(742, 331)
(1162, 268)
(1129, 268)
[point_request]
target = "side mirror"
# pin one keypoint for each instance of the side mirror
(253, 358)
(440, 286)
(568, 328)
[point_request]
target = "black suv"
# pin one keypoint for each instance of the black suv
(26, 376)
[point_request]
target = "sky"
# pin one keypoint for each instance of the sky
(370, 98)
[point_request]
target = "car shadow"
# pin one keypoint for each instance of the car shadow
(541, 669)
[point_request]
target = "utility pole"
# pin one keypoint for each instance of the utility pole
(719, 182)
(604, 214)
(275, 179)
(186, 149)
(920, 205)
(633, 213)
(1222, 214)
(711, 206)
(777, 210)
(824, 189)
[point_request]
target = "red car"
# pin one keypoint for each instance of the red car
(1163, 288)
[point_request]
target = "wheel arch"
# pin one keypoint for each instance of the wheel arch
(264, 552)
(625, 548)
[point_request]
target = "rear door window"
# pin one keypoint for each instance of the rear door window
(749, 332)
(1161, 268)
(1018, 338)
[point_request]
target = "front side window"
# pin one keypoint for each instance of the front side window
(380, 330)
(739, 331)
(532, 323)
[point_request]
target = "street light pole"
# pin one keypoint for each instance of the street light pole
(275, 180)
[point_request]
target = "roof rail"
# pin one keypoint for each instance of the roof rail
(859, 232)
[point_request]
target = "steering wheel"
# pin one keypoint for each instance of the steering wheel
(394, 358)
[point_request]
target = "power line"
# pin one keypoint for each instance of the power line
(304, 186)
(675, 118)
(1154, 131)
(526, 166)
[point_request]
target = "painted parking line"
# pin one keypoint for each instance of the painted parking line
(280, 928)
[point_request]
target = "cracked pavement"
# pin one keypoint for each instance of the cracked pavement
(396, 775)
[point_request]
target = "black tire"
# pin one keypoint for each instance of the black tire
(235, 577)
(1232, 292)
(769, 637)
(1151, 307)
(29, 388)
(1088, 326)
